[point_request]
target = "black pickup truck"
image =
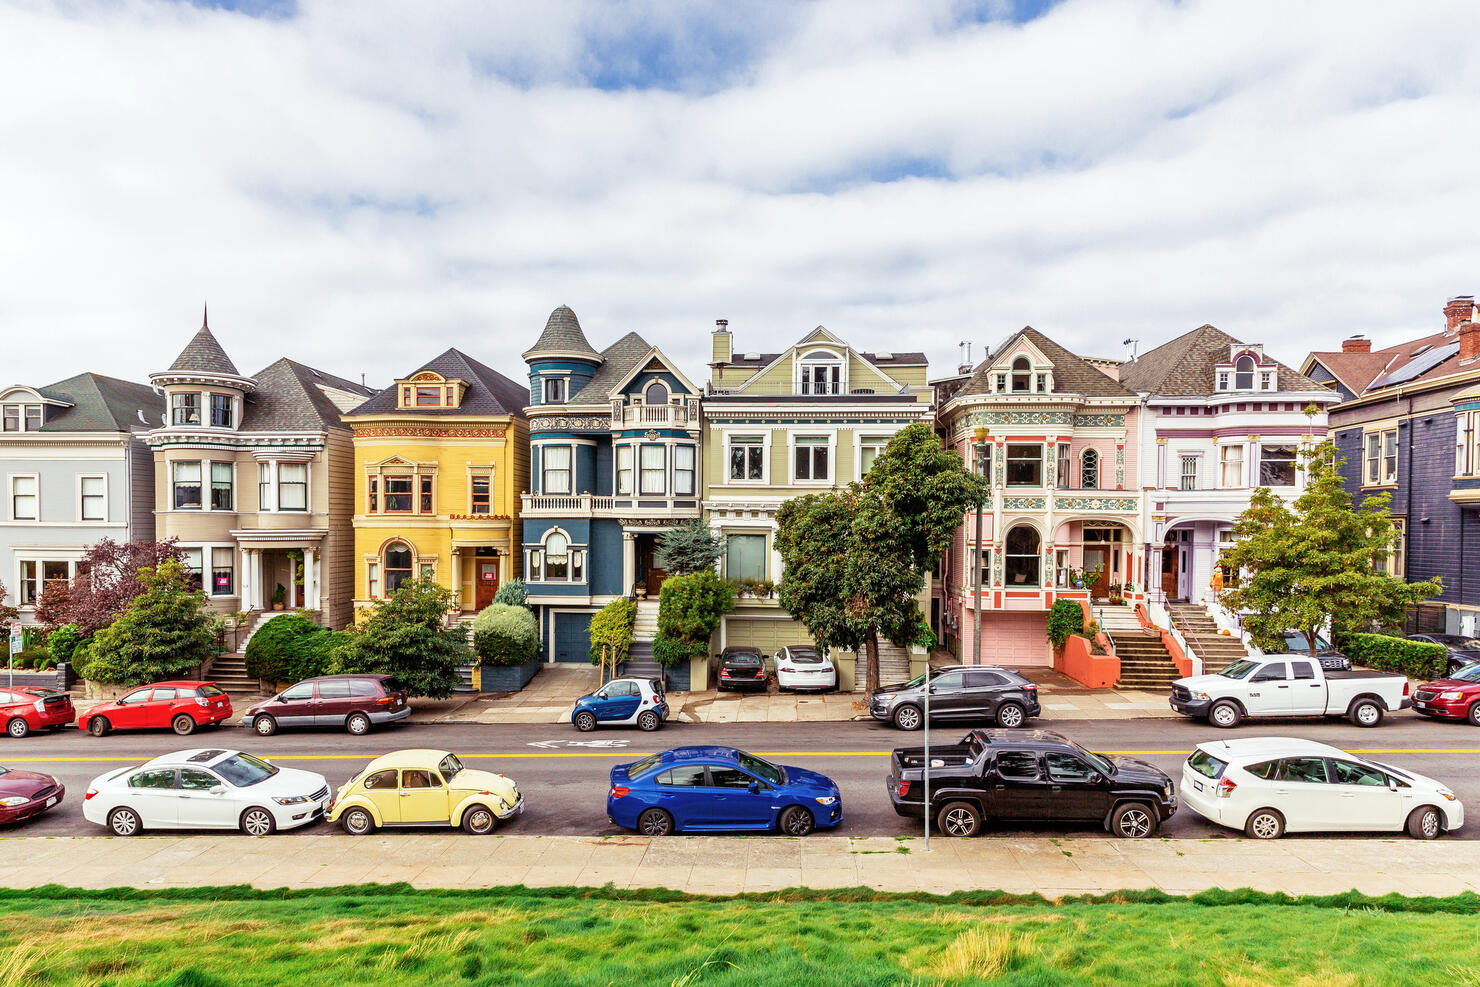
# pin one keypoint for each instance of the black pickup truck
(1030, 775)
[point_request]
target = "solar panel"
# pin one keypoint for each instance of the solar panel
(1417, 367)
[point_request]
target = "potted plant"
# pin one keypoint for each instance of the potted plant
(279, 597)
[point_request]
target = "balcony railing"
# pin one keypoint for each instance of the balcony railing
(656, 415)
(590, 505)
(814, 389)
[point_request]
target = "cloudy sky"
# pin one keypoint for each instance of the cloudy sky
(360, 184)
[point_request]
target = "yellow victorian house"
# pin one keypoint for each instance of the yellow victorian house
(440, 461)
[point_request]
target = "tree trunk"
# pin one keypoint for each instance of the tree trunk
(871, 648)
(1310, 639)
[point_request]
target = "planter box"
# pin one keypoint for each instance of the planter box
(60, 677)
(508, 678)
(678, 677)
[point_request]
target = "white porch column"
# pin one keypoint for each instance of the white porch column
(629, 561)
(505, 562)
(244, 579)
(455, 579)
(310, 580)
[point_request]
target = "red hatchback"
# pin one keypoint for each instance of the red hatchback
(178, 706)
(28, 708)
(1454, 698)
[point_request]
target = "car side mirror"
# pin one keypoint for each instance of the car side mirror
(1392, 785)
(753, 787)
(1095, 778)
(218, 790)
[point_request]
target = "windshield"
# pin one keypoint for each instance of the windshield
(1239, 670)
(207, 691)
(1470, 673)
(243, 770)
(805, 656)
(1099, 762)
(450, 766)
(639, 768)
(764, 769)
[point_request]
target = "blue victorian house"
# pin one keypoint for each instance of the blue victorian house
(614, 460)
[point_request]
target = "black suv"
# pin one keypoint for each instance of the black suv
(742, 667)
(1463, 651)
(958, 692)
(1033, 775)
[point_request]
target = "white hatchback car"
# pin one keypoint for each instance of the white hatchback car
(1269, 786)
(803, 667)
(206, 789)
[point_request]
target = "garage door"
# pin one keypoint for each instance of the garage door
(770, 635)
(1015, 639)
(572, 637)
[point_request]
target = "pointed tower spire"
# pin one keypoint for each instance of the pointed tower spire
(205, 316)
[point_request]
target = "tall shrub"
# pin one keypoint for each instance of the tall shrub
(611, 630)
(290, 648)
(512, 593)
(63, 641)
(687, 548)
(1065, 618)
(505, 634)
(690, 608)
(1418, 659)
(405, 637)
(163, 633)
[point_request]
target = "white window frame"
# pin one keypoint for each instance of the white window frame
(765, 538)
(200, 409)
(537, 563)
(764, 445)
(1225, 460)
(208, 411)
(562, 381)
(643, 470)
(35, 494)
(821, 359)
(39, 580)
(864, 443)
(82, 496)
(209, 485)
(569, 469)
(794, 439)
(478, 473)
(685, 451)
(203, 482)
(277, 490)
(267, 487)
(625, 451)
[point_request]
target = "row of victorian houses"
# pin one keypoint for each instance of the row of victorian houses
(292, 487)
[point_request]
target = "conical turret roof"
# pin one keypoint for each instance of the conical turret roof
(563, 337)
(204, 355)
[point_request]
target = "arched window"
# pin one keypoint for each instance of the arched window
(397, 565)
(557, 556)
(1243, 373)
(1021, 557)
(1022, 374)
(656, 393)
(1089, 470)
(822, 373)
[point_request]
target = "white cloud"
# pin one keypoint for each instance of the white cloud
(362, 184)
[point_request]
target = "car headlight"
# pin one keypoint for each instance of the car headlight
(1201, 695)
(293, 799)
(14, 800)
(1443, 791)
(827, 800)
(1451, 696)
(887, 697)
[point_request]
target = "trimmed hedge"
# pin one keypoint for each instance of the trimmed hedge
(505, 634)
(291, 648)
(1416, 659)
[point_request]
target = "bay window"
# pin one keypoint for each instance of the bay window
(427, 501)
(556, 465)
(372, 494)
(185, 409)
(624, 469)
(1232, 464)
(653, 468)
(398, 495)
(193, 570)
(223, 571)
(292, 487)
(1065, 480)
(1025, 465)
(264, 487)
(557, 556)
(683, 470)
(481, 501)
(221, 411)
(221, 487)
(186, 482)
(1277, 466)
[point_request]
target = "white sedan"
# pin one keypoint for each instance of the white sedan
(802, 667)
(1270, 786)
(206, 789)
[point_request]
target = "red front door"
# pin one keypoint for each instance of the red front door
(487, 582)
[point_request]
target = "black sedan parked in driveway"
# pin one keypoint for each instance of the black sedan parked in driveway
(1463, 650)
(1030, 775)
(958, 692)
(742, 667)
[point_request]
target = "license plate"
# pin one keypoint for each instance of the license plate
(1197, 785)
(51, 801)
(1423, 705)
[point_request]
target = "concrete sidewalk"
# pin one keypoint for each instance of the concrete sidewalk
(729, 865)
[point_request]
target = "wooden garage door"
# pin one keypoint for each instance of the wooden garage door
(572, 637)
(770, 635)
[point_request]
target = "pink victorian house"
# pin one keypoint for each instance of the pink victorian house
(1064, 518)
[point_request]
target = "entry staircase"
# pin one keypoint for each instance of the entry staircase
(1145, 662)
(1201, 633)
(229, 670)
(640, 655)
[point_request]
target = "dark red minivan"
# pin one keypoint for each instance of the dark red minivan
(349, 702)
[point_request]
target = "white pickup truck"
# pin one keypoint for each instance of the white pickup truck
(1287, 685)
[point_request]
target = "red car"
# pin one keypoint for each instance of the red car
(1454, 698)
(28, 708)
(178, 706)
(24, 794)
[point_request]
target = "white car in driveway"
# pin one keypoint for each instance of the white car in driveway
(1269, 786)
(206, 789)
(802, 667)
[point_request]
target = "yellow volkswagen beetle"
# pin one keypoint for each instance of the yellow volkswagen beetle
(424, 788)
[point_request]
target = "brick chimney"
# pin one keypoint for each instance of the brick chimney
(721, 349)
(1356, 344)
(1457, 311)
(1469, 344)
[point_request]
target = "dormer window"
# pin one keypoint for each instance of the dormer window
(555, 390)
(429, 397)
(16, 415)
(1022, 375)
(429, 389)
(822, 373)
(655, 393)
(1243, 374)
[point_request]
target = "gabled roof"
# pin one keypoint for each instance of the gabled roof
(1071, 374)
(204, 355)
(562, 336)
(288, 399)
(645, 362)
(102, 404)
(618, 360)
(489, 392)
(760, 360)
(1184, 366)
(1359, 372)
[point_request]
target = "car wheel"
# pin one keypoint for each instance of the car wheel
(1366, 713)
(357, 822)
(257, 821)
(1265, 824)
(98, 726)
(1474, 716)
(1011, 715)
(265, 726)
(479, 820)
(184, 724)
(18, 728)
(648, 721)
(124, 821)
(959, 819)
(1425, 823)
(357, 724)
(1133, 821)
(1225, 715)
(654, 822)
(907, 717)
(585, 722)
(796, 821)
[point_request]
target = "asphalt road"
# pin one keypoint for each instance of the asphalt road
(563, 773)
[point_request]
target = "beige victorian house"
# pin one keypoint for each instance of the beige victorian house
(254, 478)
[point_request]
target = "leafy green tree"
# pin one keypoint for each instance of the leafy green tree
(513, 593)
(505, 634)
(406, 637)
(690, 608)
(291, 648)
(163, 633)
(688, 548)
(611, 631)
(856, 559)
(1317, 560)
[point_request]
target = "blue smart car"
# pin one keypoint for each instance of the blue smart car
(622, 702)
(690, 789)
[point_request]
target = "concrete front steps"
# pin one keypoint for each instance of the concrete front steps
(229, 671)
(1144, 661)
(1201, 633)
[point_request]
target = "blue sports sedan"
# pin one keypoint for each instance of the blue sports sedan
(692, 789)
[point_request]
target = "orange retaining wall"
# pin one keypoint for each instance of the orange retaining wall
(1076, 661)
(1179, 657)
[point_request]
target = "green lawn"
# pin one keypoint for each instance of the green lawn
(521, 936)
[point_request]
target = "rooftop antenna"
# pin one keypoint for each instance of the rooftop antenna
(1132, 343)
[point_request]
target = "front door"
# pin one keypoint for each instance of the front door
(1098, 558)
(1019, 789)
(653, 576)
(948, 695)
(487, 582)
(618, 701)
(1169, 587)
(199, 808)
